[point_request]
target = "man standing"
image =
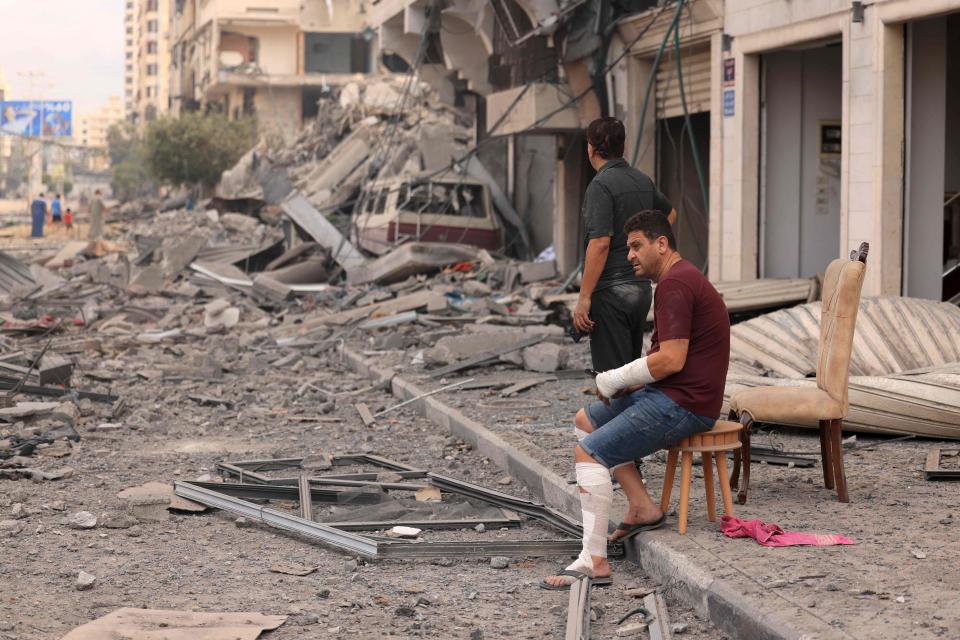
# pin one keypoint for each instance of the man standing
(56, 210)
(96, 217)
(38, 215)
(613, 302)
(650, 403)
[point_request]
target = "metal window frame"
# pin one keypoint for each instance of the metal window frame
(337, 534)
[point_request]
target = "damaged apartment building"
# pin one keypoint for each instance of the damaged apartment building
(270, 59)
(784, 132)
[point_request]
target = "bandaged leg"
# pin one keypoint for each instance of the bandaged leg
(596, 494)
(579, 433)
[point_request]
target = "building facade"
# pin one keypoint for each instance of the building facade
(90, 132)
(130, 57)
(271, 60)
(785, 133)
(146, 60)
(843, 129)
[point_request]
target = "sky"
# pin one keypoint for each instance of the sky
(77, 46)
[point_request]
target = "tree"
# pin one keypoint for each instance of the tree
(196, 148)
(129, 177)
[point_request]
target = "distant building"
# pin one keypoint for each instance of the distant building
(6, 143)
(147, 59)
(272, 59)
(90, 132)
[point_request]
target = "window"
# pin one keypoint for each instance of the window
(129, 68)
(151, 5)
(151, 47)
(129, 55)
(435, 198)
(129, 31)
(151, 91)
(151, 69)
(151, 26)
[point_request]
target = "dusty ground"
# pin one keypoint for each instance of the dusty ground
(901, 579)
(206, 562)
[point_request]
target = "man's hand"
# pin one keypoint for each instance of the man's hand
(581, 316)
(602, 398)
(627, 391)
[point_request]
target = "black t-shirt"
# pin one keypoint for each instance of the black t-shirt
(617, 192)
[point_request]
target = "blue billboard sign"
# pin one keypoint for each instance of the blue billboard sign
(37, 118)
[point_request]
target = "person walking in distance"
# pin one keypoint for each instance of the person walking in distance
(613, 302)
(38, 215)
(56, 210)
(96, 217)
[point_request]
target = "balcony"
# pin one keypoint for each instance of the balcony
(541, 109)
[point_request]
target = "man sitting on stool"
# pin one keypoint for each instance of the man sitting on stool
(652, 402)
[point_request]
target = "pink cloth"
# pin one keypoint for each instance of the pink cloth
(773, 535)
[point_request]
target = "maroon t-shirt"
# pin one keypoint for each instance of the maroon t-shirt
(687, 307)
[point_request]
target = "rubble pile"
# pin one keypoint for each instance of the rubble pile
(360, 132)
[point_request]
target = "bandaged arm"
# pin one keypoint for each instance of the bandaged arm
(670, 359)
(631, 374)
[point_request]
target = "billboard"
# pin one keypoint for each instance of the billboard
(37, 118)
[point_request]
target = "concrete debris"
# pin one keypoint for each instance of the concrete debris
(176, 625)
(82, 520)
(85, 581)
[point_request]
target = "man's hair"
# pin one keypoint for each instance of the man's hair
(652, 224)
(607, 136)
(41, 195)
(58, 195)
(97, 192)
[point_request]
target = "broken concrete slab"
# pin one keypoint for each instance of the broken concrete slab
(66, 254)
(271, 289)
(414, 258)
(162, 490)
(27, 409)
(147, 280)
(299, 209)
(180, 251)
(545, 357)
(537, 271)
(140, 624)
(312, 270)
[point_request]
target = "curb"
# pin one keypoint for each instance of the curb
(725, 607)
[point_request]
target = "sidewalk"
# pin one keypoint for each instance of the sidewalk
(899, 580)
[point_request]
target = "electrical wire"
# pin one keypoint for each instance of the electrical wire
(653, 76)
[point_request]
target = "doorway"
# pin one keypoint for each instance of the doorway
(931, 260)
(801, 111)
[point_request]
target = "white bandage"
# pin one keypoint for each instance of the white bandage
(629, 375)
(580, 433)
(595, 500)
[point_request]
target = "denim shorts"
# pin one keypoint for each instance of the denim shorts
(636, 425)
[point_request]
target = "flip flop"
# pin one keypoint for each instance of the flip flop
(576, 575)
(633, 529)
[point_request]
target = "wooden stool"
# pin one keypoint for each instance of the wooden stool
(724, 437)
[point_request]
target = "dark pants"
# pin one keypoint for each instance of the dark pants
(619, 313)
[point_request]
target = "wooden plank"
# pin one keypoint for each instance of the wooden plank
(932, 471)
(365, 414)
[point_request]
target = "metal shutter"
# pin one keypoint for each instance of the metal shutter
(696, 82)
